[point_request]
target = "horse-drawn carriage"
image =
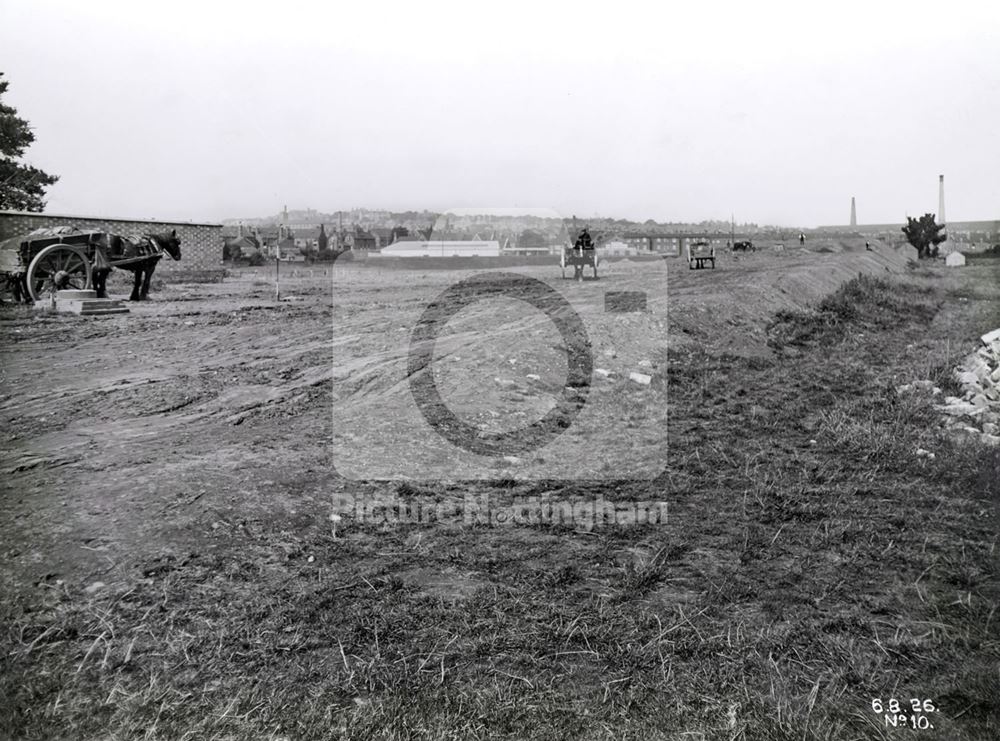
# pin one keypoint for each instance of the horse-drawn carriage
(65, 257)
(581, 255)
(700, 252)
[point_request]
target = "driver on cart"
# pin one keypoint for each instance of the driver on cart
(584, 241)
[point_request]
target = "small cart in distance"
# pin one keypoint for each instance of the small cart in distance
(581, 255)
(699, 253)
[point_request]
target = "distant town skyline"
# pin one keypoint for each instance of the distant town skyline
(352, 215)
(775, 112)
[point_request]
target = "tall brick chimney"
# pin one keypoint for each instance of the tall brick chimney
(941, 219)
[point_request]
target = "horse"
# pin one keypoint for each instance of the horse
(140, 257)
(16, 285)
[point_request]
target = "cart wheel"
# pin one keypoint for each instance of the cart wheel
(56, 267)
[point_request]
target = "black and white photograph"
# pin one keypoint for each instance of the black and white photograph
(476, 371)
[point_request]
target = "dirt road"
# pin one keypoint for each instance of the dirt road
(119, 430)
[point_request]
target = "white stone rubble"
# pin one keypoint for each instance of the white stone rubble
(978, 411)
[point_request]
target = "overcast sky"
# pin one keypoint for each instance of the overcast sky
(774, 112)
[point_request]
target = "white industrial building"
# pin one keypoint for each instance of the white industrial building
(617, 248)
(443, 248)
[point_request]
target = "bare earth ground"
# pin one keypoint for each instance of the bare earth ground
(169, 566)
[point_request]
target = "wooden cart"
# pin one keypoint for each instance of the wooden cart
(49, 259)
(582, 254)
(579, 258)
(65, 257)
(699, 253)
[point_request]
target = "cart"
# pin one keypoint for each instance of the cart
(578, 258)
(65, 257)
(699, 253)
(49, 259)
(581, 255)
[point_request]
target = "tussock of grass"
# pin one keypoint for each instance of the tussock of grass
(865, 302)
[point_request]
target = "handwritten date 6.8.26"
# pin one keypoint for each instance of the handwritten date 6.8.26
(903, 713)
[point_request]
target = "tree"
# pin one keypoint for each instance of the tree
(924, 234)
(531, 239)
(22, 187)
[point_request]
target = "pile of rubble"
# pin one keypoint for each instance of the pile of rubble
(977, 412)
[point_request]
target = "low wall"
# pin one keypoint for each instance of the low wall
(201, 244)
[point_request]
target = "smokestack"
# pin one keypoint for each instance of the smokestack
(941, 219)
(854, 213)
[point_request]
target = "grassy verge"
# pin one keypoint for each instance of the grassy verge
(811, 563)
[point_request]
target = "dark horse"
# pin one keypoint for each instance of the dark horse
(139, 256)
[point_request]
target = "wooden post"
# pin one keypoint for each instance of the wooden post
(277, 270)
